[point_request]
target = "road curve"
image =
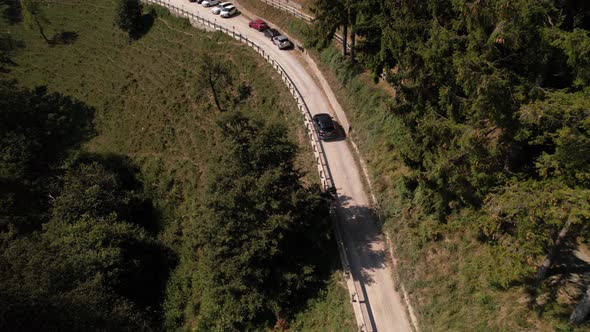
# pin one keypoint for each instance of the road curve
(365, 244)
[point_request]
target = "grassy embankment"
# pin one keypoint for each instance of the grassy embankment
(150, 108)
(448, 281)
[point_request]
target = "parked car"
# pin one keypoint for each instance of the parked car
(228, 11)
(271, 33)
(209, 3)
(282, 42)
(258, 24)
(192, 0)
(219, 7)
(325, 126)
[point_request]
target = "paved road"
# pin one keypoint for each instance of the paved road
(365, 244)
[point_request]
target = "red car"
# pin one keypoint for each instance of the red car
(258, 24)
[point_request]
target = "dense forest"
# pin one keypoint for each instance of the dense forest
(481, 158)
(78, 248)
(208, 222)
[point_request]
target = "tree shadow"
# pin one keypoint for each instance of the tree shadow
(147, 22)
(8, 46)
(146, 283)
(41, 136)
(64, 38)
(11, 13)
(56, 123)
(312, 245)
(140, 209)
(40, 130)
(361, 232)
(147, 286)
(568, 274)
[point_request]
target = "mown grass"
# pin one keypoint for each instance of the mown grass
(149, 104)
(151, 107)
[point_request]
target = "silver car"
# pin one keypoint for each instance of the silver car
(209, 3)
(228, 11)
(282, 42)
(220, 7)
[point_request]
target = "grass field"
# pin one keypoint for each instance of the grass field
(150, 104)
(153, 107)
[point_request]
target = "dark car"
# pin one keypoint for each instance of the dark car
(258, 24)
(270, 33)
(325, 126)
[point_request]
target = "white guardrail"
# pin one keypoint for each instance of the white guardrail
(354, 286)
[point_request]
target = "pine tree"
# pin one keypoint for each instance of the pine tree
(263, 234)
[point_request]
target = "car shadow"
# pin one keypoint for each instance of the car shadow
(360, 229)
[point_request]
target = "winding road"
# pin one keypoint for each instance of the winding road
(370, 263)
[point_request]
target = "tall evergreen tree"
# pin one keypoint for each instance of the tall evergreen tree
(263, 234)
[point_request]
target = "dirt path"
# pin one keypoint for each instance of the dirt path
(365, 244)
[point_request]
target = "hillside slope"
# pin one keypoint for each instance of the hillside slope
(153, 109)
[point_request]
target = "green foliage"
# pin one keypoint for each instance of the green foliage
(88, 190)
(264, 235)
(84, 268)
(330, 15)
(576, 46)
(484, 145)
(532, 212)
(560, 121)
(37, 130)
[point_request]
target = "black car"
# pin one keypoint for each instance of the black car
(325, 126)
(270, 33)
